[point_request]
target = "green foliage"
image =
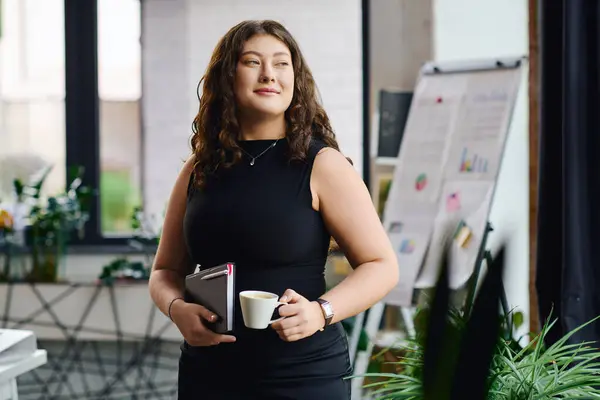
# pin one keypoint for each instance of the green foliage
(118, 197)
(449, 355)
(533, 372)
(145, 230)
(563, 371)
(53, 220)
(145, 238)
(123, 269)
(60, 214)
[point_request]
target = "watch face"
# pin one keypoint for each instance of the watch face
(328, 310)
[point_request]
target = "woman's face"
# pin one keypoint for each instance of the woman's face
(264, 79)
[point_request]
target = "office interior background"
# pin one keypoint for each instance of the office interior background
(110, 86)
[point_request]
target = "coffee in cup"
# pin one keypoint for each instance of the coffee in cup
(260, 296)
(258, 307)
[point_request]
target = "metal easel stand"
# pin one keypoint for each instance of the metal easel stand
(371, 326)
(361, 360)
(354, 337)
(474, 280)
(483, 255)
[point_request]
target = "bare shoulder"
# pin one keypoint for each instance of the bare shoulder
(179, 193)
(331, 161)
(183, 179)
(188, 166)
(342, 198)
(332, 173)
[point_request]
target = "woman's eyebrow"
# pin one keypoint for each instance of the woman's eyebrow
(256, 53)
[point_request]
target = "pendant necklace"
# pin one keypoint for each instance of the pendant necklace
(253, 158)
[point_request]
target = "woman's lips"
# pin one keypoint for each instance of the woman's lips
(266, 92)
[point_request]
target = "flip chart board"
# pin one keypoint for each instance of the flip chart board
(447, 168)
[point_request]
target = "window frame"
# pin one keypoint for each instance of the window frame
(82, 114)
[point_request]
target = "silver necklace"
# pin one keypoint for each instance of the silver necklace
(253, 158)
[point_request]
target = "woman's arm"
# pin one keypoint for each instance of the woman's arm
(171, 265)
(348, 211)
(172, 262)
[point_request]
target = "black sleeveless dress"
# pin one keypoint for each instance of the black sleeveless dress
(261, 218)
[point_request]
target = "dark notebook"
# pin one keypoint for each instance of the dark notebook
(214, 289)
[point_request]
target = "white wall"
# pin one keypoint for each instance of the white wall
(178, 39)
(400, 42)
(473, 29)
(166, 98)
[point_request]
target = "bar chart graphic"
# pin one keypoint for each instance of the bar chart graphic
(407, 246)
(472, 162)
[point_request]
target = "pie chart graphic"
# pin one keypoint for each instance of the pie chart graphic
(421, 182)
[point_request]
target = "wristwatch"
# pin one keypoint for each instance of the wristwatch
(327, 310)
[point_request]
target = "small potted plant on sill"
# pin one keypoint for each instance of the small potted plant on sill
(13, 224)
(6, 233)
(52, 223)
(147, 231)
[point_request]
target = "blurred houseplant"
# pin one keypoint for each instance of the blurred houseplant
(53, 222)
(15, 168)
(146, 234)
(6, 235)
(460, 355)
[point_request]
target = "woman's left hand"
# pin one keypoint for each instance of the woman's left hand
(302, 317)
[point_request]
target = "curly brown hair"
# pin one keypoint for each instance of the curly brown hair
(215, 127)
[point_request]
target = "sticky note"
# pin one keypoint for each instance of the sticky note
(464, 236)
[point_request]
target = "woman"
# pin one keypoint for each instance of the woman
(267, 188)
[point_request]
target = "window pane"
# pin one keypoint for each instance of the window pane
(32, 81)
(119, 87)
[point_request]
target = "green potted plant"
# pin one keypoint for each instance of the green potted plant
(53, 221)
(6, 233)
(474, 355)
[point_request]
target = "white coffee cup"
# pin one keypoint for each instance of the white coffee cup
(258, 308)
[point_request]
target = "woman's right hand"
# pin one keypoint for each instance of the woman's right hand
(190, 318)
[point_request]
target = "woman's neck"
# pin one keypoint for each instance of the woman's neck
(262, 129)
